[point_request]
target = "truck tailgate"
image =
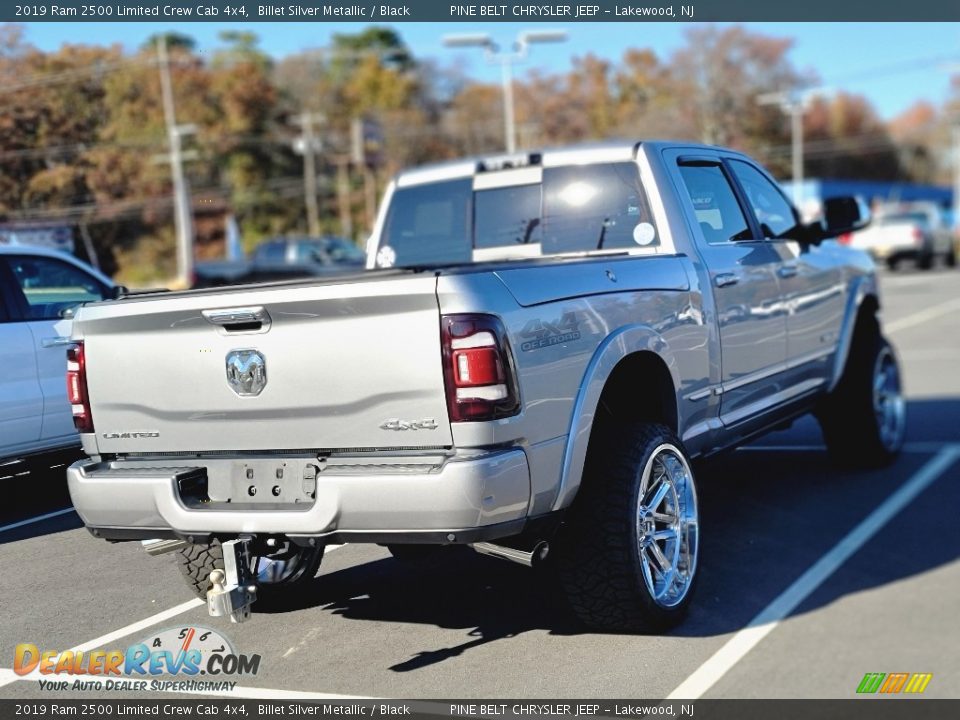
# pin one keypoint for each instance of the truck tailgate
(340, 360)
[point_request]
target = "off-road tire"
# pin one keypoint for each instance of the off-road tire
(597, 555)
(848, 418)
(196, 562)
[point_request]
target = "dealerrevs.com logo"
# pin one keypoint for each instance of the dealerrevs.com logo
(196, 658)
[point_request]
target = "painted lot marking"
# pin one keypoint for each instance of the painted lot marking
(8, 676)
(911, 447)
(6, 679)
(38, 518)
(922, 316)
(254, 693)
(734, 650)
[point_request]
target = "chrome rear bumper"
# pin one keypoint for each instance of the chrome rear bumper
(457, 499)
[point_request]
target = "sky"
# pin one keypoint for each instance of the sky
(893, 64)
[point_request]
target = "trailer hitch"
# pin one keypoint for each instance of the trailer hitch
(233, 589)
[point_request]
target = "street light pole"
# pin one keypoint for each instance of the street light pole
(509, 125)
(517, 53)
(183, 220)
(796, 149)
(793, 104)
(956, 181)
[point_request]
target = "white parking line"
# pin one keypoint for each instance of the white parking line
(8, 676)
(911, 447)
(734, 650)
(116, 635)
(254, 693)
(38, 518)
(923, 316)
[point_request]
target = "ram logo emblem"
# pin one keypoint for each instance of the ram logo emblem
(246, 372)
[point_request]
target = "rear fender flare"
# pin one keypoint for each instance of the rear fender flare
(618, 345)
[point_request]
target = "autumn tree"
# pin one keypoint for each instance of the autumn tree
(720, 73)
(845, 138)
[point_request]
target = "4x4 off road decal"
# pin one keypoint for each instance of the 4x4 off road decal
(538, 334)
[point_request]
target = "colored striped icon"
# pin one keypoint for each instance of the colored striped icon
(891, 683)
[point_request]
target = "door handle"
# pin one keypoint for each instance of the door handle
(788, 271)
(56, 341)
(725, 279)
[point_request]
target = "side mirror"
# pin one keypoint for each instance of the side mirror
(843, 215)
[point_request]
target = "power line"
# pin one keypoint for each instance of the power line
(893, 69)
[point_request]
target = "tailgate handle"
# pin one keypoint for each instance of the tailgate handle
(60, 341)
(239, 320)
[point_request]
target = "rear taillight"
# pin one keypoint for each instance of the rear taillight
(77, 389)
(478, 369)
(845, 238)
(917, 236)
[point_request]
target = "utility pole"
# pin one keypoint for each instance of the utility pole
(183, 218)
(956, 182)
(517, 53)
(793, 104)
(344, 203)
(361, 160)
(309, 144)
(796, 149)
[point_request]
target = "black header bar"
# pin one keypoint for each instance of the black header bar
(392, 11)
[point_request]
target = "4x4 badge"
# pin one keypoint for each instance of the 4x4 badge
(396, 424)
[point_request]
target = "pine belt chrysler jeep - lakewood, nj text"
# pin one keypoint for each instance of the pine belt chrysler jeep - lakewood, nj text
(539, 346)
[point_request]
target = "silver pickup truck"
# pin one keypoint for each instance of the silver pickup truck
(539, 347)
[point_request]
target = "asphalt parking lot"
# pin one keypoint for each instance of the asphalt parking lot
(810, 578)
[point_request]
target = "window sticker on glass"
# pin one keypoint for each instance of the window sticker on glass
(702, 200)
(644, 234)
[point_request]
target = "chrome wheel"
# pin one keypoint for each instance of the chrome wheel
(888, 404)
(285, 565)
(667, 526)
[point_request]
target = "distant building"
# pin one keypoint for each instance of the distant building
(56, 237)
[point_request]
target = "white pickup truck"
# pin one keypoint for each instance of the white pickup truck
(539, 347)
(911, 231)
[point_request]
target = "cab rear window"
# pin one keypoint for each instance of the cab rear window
(573, 209)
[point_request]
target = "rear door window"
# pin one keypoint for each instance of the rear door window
(715, 205)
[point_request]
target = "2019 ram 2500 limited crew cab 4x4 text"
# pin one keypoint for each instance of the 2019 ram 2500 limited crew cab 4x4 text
(540, 345)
